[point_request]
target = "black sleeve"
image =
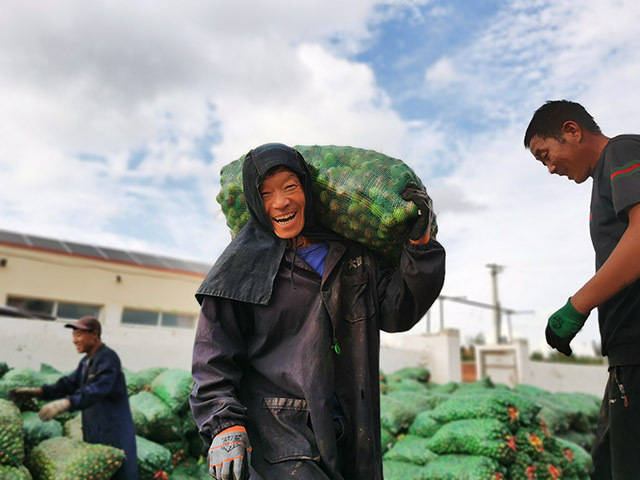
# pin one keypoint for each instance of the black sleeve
(64, 386)
(405, 293)
(219, 353)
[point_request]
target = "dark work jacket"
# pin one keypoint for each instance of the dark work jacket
(272, 368)
(100, 391)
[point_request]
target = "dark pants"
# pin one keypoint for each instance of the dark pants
(616, 451)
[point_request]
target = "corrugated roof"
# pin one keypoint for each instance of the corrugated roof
(102, 253)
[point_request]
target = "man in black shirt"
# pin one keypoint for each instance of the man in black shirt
(565, 138)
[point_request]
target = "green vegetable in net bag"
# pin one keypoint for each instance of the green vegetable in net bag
(464, 467)
(473, 387)
(191, 470)
(7, 472)
(405, 384)
(179, 450)
(485, 437)
(356, 194)
(152, 458)
(424, 425)
(394, 415)
(141, 381)
(421, 374)
(418, 401)
(173, 388)
(11, 440)
(73, 428)
(534, 442)
(579, 462)
(581, 409)
(506, 407)
(4, 368)
(545, 467)
(412, 449)
(153, 419)
(403, 471)
(22, 377)
(446, 388)
(35, 430)
(63, 458)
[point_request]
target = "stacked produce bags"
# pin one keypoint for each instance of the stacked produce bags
(454, 431)
(480, 431)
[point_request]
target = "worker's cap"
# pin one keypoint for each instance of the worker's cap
(88, 324)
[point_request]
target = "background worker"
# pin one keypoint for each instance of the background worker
(286, 354)
(98, 388)
(565, 138)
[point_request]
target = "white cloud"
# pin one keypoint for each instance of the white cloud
(441, 74)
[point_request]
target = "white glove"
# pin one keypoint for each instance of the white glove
(54, 408)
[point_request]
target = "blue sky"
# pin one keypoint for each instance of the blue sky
(118, 117)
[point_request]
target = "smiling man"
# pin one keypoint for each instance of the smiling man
(286, 354)
(566, 139)
(98, 388)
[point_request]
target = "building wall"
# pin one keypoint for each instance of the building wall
(39, 274)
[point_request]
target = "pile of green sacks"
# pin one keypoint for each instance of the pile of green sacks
(481, 431)
(168, 445)
(356, 194)
(462, 431)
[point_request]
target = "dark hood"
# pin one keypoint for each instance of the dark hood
(247, 268)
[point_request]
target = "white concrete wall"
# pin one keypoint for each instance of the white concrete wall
(566, 377)
(27, 343)
(439, 352)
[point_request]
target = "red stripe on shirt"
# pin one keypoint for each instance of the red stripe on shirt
(625, 170)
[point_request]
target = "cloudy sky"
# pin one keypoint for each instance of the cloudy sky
(117, 116)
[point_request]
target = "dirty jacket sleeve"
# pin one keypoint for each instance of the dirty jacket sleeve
(405, 293)
(64, 386)
(219, 355)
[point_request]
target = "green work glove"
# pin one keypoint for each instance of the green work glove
(54, 408)
(230, 454)
(562, 326)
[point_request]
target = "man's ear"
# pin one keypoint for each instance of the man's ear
(571, 131)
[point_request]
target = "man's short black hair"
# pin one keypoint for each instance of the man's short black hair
(547, 121)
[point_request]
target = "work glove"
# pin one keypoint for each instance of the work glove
(562, 326)
(54, 408)
(23, 393)
(230, 454)
(426, 222)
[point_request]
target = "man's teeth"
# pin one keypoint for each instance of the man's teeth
(285, 218)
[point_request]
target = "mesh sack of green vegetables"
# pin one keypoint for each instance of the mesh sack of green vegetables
(173, 388)
(419, 401)
(63, 458)
(545, 467)
(485, 437)
(424, 425)
(11, 439)
(393, 470)
(49, 373)
(73, 428)
(21, 377)
(535, 443)
(579, 461)
(509, 408)
(357, 195)
(36, 431)
(585, 440)
(420, 374)
(394, 415)
(464, 467)
(7, 472)
(445, 388)
(405, 384)
(141, 381)
(581, 409)
(412, 449)
(191, 470)
(153, 419)
(472, 387)
(179, 450)
(152, 459)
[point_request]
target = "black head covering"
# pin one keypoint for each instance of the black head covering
(247, 268)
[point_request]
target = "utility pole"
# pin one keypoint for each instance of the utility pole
(497, 329)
